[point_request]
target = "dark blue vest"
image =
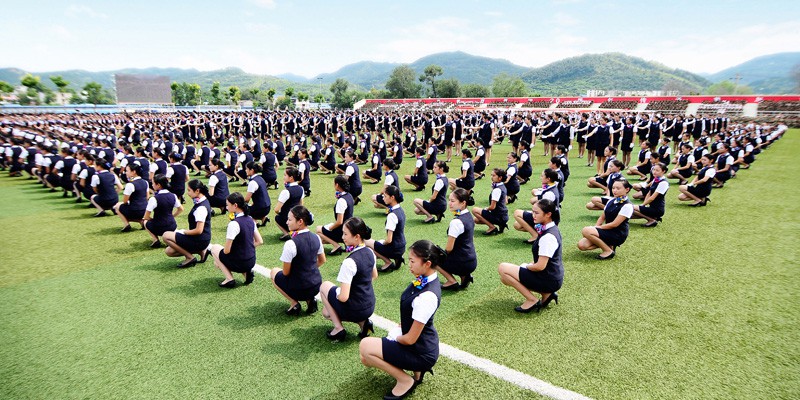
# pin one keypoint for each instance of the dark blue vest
(399, 235)
(427, 345)
(138, 199)
(295, 195)
(362, 296)
(242, 247)
(106, 190)
(463, 247)
(221, 189)
(206, 235)
(554, 271)
(162, 214)
(177, 182)
(304, 271)
(500, 210)
(611, 212)
(260, 197)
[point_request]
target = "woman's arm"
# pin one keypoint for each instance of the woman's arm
(451, 242)
(321, 259)
(602, 218)
(389, 237)
(147, 216)
(538, 266)
(177, 211)
(287, 268)
(257, 239)
(344, 292)
(278, 208)
(228, 245)
(492, 205)
(615, 223)
(339, 221)
(412, 335)
(198, 229)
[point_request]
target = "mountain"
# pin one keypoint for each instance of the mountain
(293, 77)
(226, 77)
(459, 65)
(608, 71)
(364, 73)
(766, 74)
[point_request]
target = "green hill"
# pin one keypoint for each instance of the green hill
(608, 71)
(765, 74)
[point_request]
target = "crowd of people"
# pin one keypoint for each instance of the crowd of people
(164, 163)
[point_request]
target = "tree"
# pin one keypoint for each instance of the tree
(402, 83)
(505, 85)
(284, 102)
(476, 90)
(271, 94)
(675, 85)
(289, 91)
(193, 94)
(32, 82)
(448, 88)
(60, 83)
(319, 98)
(339, 90)
(728, 88)
(253, 92)
(5, 87)
(429, 76)
(96, 95)
(302, 96)
(215, 92)
(234, 94)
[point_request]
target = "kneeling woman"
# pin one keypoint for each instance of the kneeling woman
(134, 203)
(354, 299)
(217, 186)
(299, 279)
(435, 207)
(524, 221)
(700, 188)
(196, 239)
(257, 193)
(414, 345)
(241, 239)
(497, 213)
(611, 229)
(652, 209)
(391, 249)
(158, 215)
(342, 211)
(546, 273)
(462, 259)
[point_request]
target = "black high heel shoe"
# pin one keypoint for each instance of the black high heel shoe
(439, 217)
(453, 287)
(503, 227)
(422, 376)
(466, 281)
(553, 296)
(228, 285)
(391, 396)
(311, 306)
(336, 337)
(536, 307)
(366, 330)
(491, 232)
(295, 310)
(204, 257)
(190, 263)
(608, 257)
(248, 278)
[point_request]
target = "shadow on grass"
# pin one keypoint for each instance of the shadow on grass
(272, 313)
(362, 385)
(302, 344)
(168, 267)
(199, 287)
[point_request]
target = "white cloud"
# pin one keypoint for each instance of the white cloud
(493, 14)
(75, 10)
(270, 4)
(564, 19)
(60, 32)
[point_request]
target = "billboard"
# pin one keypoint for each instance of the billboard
(139, 89)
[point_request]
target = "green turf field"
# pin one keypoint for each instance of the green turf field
(702, 306)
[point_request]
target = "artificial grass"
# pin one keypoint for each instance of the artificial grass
(700, 306)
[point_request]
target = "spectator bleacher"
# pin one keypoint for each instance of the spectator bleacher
(733, 107)
(575, 104)
(622, 105)
(768, 105)
(536, 104)
(668, 105)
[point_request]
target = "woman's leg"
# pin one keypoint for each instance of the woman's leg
(590, 234)
(449, 279)
(122, 217)
(272, 273)
(327, 310)
(215, 249)
(420, 210)
(371, 352)
(509, 276)
(522, 226)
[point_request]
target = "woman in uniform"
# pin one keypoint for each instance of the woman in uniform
(342, 211)
(158, 216)
(524, 220)
(292, 195)
(652, 208)
(257, 193)
(195, 240)
(241, 239)
(496, 215)
(699, 189)
(299, 278)
(134, 203)
(462, 260)
(414, 345)
(611, 229)
(354, 299)
(217, 186)
(435, 207)
(391, 249)
(545, 274)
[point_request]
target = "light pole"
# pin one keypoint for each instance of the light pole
(319, 79)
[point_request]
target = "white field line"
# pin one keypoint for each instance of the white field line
(487, 366)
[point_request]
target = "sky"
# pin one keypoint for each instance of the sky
(312, 37)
